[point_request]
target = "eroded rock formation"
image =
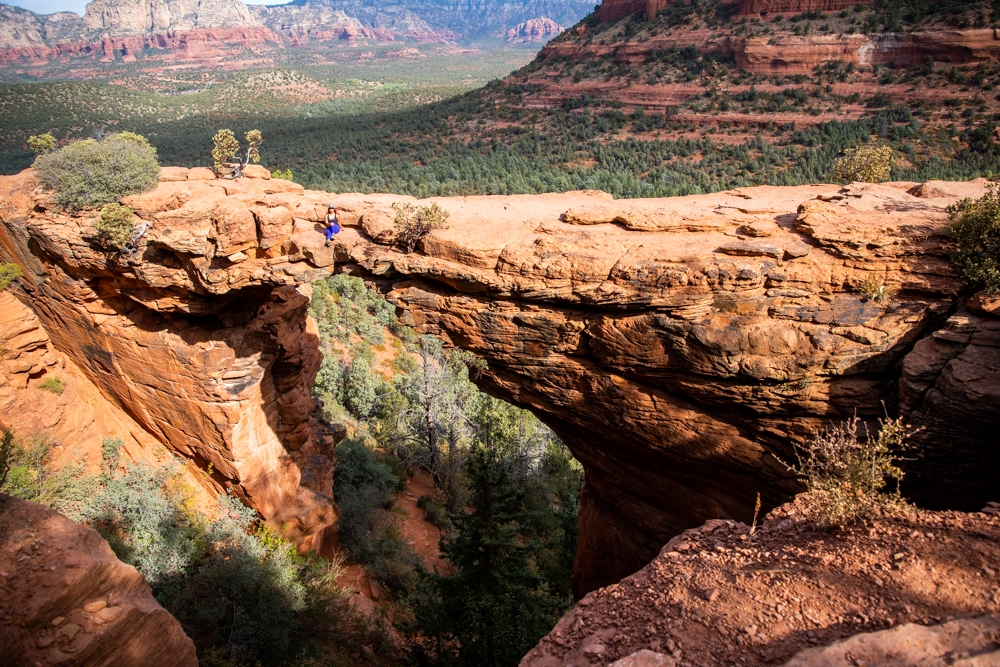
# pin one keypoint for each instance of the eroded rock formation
(792, 54)
(122, 28)
(680, 347)
(213, 360)
(534, 30)
(612, 10)
(67, 600)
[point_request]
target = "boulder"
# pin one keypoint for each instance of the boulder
(201, 174)
(170, 174)
(968, 642)
(256, 171)
(378, 224)
(274, 225)
(68, 600)
(234, 227)
(645, 658)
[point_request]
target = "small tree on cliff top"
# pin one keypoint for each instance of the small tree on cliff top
(975, 224)
(868, 164)
(42, 143)
(413, 223)
(226, 149)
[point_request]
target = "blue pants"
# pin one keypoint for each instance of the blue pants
(330, 231)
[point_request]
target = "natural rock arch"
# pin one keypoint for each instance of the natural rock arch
(680, 346)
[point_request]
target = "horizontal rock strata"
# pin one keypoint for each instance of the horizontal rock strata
(680, 347)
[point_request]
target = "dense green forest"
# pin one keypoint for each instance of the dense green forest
(430, 151)
(506, 488)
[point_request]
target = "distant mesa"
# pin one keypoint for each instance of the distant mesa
(541, 29)
(208, 30)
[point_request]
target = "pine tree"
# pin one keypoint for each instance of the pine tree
(495, 606)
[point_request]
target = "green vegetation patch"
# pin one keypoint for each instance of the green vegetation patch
(90, 173)
(975, 224)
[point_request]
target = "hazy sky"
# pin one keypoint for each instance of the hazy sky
(50, 6)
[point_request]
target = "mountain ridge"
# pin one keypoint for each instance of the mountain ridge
(133, 24)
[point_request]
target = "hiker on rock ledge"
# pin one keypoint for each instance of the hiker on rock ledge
(332, 223)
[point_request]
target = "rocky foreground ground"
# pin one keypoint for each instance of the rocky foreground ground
(721, 594)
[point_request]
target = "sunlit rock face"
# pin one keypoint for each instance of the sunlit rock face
(681, 347)
(212, 355)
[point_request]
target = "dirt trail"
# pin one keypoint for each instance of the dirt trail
(420, 533)
(719, 596)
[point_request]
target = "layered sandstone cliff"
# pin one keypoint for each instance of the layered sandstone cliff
(680, 347)
(214, 359)
(129, 17)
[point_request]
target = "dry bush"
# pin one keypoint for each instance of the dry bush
(847, 475)
(416, 222)
(875, 289)
(868, 164)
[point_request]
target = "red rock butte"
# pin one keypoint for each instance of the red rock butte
(680, 347)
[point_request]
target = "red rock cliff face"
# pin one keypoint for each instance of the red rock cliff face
(680, 347)
(211, 357)
(67, 600)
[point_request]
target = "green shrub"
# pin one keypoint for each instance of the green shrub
(364, 489)
(415, 222)
(42, 143)
(9, 271)
(975, 224)
(435, 512)
(115, 226)
(241, 592)
(847, 475)
(285, 175)
(6, 455)
(90, 173)
(868, 164)
(30, 476)
(53, 384)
